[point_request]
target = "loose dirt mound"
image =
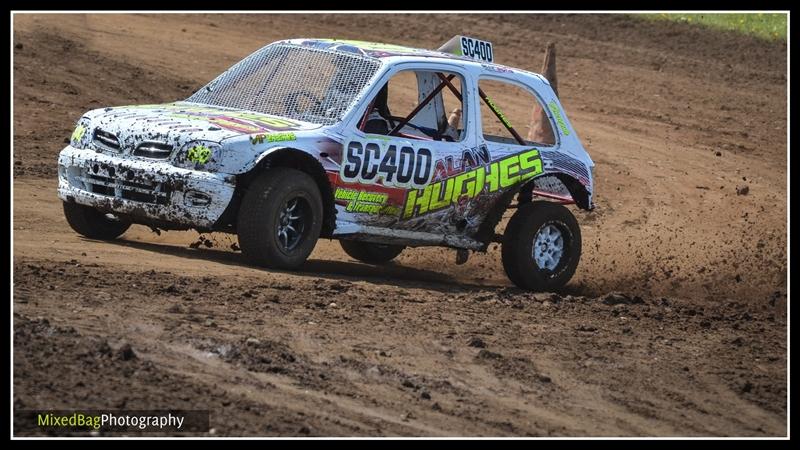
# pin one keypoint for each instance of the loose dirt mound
(675, 323)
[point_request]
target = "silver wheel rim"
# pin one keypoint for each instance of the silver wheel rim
(291, 224)
(548, 247)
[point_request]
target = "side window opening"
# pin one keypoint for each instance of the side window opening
(506, 111)
(418, 104)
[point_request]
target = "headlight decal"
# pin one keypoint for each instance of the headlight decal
(79, 135)
(198, 153)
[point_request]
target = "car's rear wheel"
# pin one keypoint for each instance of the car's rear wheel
(541, 246)
(280, 219)
(92, 223)
(370, 252)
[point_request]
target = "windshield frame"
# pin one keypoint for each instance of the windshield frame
(369, 63)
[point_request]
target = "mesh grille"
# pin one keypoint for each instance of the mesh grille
(287, 80)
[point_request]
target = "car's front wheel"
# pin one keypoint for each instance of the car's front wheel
(92, 223)
(280, 219)
(371, 253)
(541, 246)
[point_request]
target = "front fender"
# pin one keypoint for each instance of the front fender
(260, 157)
(243, 154)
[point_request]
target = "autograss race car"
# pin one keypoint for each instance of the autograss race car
(380, 146)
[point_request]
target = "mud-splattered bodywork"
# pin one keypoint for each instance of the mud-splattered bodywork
(182, 164)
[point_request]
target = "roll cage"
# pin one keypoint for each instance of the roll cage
(445, 81)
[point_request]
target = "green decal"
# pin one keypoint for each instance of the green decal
(379, 137)
(494, 177)
(498, 112)
(366, 202)
(559, 120)
(272, 137)
(77, 135)
(373, 46)
(199, 154)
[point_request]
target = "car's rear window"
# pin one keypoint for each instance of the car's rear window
(313, 85)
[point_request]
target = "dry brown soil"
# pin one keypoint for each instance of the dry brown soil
(675, 323)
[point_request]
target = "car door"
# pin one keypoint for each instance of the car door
(505, 153)
(514, 130)
(392, 180)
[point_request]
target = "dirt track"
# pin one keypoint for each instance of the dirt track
(675, 323)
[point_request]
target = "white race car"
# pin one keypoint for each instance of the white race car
(379, 146)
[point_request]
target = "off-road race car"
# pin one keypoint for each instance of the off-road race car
(380, 146)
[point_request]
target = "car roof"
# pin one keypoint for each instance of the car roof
(388, 51)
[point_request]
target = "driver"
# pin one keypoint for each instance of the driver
(380, 121)
(379, 118)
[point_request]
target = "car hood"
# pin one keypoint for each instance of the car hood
(181, 122)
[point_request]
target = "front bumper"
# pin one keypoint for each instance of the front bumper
(149, 190)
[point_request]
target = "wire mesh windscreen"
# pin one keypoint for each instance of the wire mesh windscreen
(287, 80)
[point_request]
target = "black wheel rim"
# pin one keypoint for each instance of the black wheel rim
(292, 220)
